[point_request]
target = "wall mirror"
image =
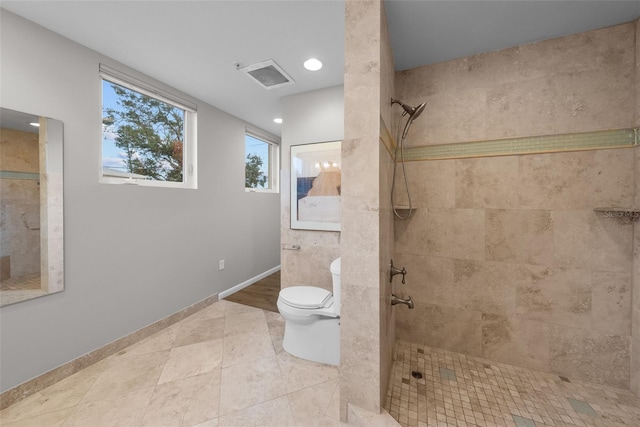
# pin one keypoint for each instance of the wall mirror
(316, 186)
(31, 219)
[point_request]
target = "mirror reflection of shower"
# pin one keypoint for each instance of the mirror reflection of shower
(412, 113)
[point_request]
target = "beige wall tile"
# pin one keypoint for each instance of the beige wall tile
(456, 233)
(309, 265)
(613, 183)
(635, 366)
(443, 327)
(610, 47)
(611, 302)
(614, 245)
(635, 351)
(562, 85)
(361, 178)
(411, 235)
(431, 184)
(591, 356)
(556, 181)
(360, 248)
(519, 236)
(450, 117)
(516, 341)
(429, 280)
(361, 306)
(564, 103)
(560, 296)
(489, 287)
(636, 204)
(20, 151)
(487, 182)
(635, 313)
(387, 248)
(573, 237)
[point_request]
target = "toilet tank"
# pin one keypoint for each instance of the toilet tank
(335, 275)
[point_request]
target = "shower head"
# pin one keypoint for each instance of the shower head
(417, 111)
(413, 113)
(407, 108)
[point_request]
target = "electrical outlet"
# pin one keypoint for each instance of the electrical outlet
(221, 264)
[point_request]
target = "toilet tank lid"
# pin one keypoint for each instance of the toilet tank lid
(305, 296)
(335, 266)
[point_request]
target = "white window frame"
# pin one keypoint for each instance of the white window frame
(189, 165)
(274, 160)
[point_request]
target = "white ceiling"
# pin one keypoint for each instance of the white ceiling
(193, 45)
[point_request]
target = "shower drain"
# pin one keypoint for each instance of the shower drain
(416, 374)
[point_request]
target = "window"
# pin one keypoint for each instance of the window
(148, 136)
(261, 162)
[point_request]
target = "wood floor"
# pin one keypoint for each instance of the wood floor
(262, 294)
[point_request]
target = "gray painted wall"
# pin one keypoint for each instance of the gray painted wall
(133, 255)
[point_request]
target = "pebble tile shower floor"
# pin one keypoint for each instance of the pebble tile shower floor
(459, 390)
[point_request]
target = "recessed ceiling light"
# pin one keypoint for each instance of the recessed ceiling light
(36, 124)
(278, 120)
(312, 64)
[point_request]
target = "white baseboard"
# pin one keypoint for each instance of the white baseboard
(246, 283)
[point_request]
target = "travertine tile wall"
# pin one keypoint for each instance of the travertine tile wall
(367, 332)
(506, 258)
(20, 233)
(387, 311)
(635, 314)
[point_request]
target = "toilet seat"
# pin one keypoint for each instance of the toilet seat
(306, 301)
(308, 297)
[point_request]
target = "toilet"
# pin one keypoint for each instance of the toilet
(312, 320)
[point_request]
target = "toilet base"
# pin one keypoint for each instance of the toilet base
(318, 341)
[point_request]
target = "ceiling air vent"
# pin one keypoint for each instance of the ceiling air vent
(268, 74)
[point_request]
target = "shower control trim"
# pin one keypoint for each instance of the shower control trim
(395, 270)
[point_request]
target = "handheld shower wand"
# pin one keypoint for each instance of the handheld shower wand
(413, 113)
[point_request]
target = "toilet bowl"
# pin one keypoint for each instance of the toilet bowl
(312, 320)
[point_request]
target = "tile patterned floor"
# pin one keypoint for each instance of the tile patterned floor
(223, 366)
(458, 390)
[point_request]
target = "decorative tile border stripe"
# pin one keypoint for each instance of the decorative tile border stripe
(618, 138)
(19, 175)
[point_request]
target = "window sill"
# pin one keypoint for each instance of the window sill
(147, 183)
(261, 190)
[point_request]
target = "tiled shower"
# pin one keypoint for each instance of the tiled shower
(510, 261)
(20, 223)
(524, 172)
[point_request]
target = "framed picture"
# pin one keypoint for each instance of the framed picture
(315, 186)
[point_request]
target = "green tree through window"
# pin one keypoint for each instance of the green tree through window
(148, 133)
(260, 156)
(254, 176)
